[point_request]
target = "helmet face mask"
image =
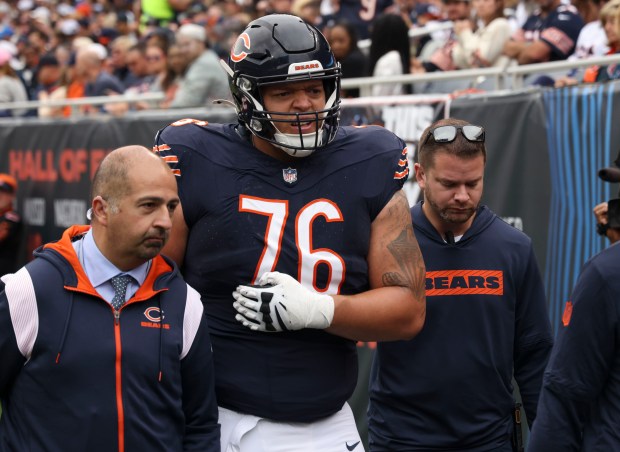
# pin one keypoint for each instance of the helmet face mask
(282, 49)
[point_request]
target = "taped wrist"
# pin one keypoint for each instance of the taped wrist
(321, 312)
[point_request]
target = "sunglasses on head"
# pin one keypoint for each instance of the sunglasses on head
(447, 134)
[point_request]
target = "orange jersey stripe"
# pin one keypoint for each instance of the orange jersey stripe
(161, 147)
(401, 174)
(464, 282)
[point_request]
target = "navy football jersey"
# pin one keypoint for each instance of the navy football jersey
(560, 30)
(249, 213)
(360, 13)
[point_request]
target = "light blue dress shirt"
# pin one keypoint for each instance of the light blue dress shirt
(100, 270)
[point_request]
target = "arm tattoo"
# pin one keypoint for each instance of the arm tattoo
(393, 279)
(407, 253)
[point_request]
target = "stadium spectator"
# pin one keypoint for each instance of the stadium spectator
(196, 13)
(408, 10)
(141, 75)
(97, 82)
(28, 73)
(226, 27)
(518, 11)
(39, 41)
(11, 87)
(175, 69)
(360, 15)
(82, 42)
(118, 59)
(337, 221)
(68, 30)
(157, 67)
(126, 24)
(50, 85)
(62, 52)
(592, 40)
(160, 13)
(161, 37)
(89, 360)
(5, 17)
(10, 226)
(76, 84)
(266, 7)
(437, 53)
(343, 41)
(204, 79)
(156, 60)
(450, 388)
(610, 20)
(308, 10)
(90, 65)
(49, 73)
(425, 15)
(389, 53)
(482, 46)
(549, 34)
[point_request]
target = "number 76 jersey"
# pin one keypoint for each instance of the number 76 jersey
(311, 217)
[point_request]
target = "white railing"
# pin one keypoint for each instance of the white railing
(508, 78)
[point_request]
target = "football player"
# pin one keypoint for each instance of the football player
(298, 236)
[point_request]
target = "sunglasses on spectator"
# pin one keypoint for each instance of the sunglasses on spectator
(447, 134)
(153, 58)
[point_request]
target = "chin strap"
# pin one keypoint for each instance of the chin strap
(293, 139)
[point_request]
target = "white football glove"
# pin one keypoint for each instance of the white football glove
(281, 303)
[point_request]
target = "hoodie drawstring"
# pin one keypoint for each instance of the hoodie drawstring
(65, 329)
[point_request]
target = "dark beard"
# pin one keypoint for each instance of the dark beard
(449, 218)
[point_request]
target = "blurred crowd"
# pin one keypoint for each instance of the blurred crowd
(62, 49)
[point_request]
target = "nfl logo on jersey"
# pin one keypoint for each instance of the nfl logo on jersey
(289, 175)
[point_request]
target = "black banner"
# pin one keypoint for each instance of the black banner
(54, 163)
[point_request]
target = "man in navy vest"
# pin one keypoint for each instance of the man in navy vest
(103, 345)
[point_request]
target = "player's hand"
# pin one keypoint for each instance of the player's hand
(281, 303)
(600, 212)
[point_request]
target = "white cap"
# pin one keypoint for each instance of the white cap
(15, 63)
(25, 5)
(193, 31)
(68, 27)
(65, 10)
(41, 14)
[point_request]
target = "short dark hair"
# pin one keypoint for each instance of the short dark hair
(49, 59)
(461, 147)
